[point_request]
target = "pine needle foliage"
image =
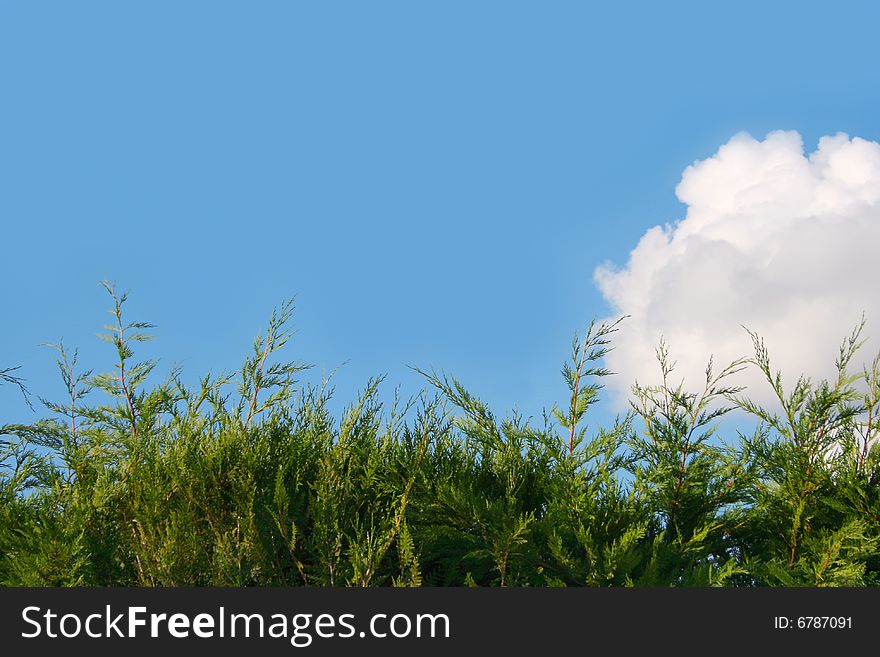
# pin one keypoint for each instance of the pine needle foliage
(248, 478)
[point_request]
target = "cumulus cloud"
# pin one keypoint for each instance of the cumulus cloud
(774, 239)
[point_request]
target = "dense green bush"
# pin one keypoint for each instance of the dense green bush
(248, 479)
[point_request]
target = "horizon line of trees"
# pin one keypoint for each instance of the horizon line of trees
(249, 479)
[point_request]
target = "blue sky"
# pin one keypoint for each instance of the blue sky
(435, 182)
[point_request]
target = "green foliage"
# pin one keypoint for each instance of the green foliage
(249, 479)
(7, 376)
(692, 485)
(815, 510)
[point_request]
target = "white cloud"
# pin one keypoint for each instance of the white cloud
(773, 239)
